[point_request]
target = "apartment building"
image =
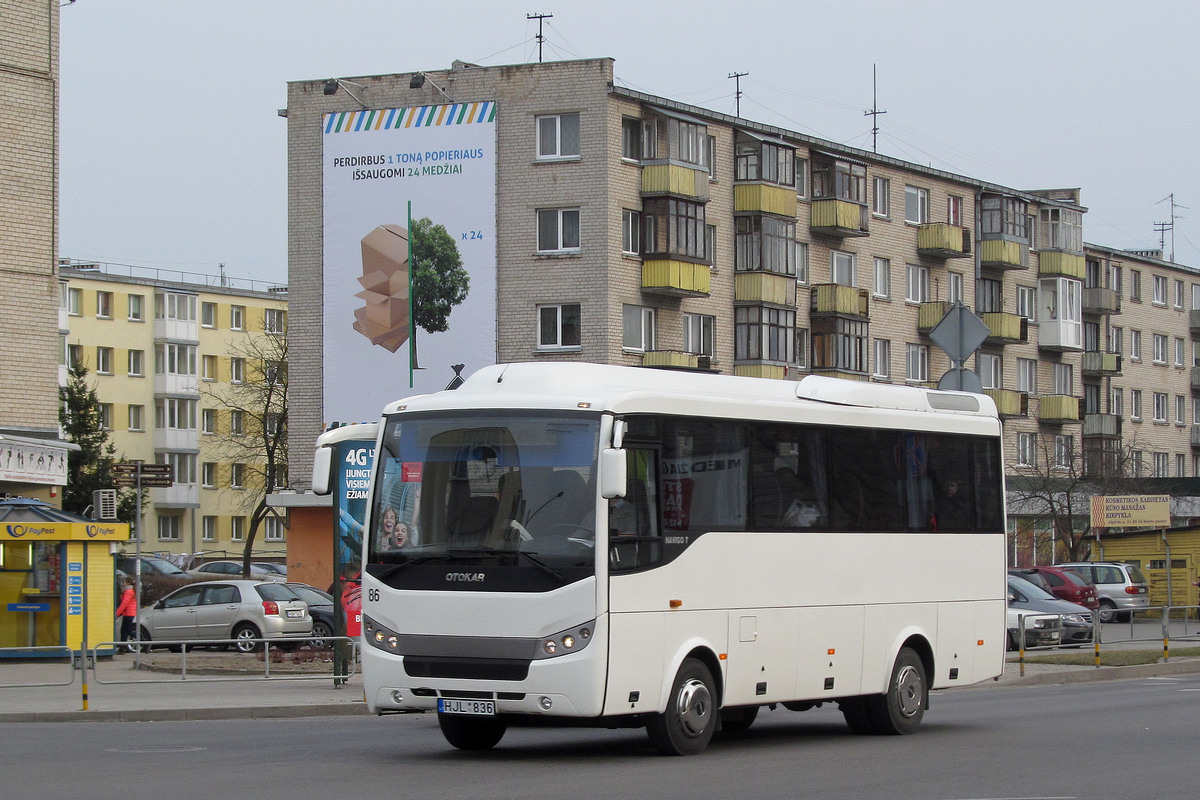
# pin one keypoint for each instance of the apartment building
(163, 350)
(634, 229)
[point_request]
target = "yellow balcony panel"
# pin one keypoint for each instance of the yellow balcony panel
(669, 359)
(764, 287)
(834, 298)
(1098, 300)
(1009, 403)
(1003, 254)
(676, 179)
(766, 198)
(676, 278)
(943, 240)
(775, 371)
(832, 372)
(1104, 364)
(1056, 262)
(1058, 408)
(840, 218)
(930, 314)
(1005, 328)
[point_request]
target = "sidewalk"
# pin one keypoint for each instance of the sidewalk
(214, 692)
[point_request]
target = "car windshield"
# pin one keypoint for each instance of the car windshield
(163, 566)
(1031, 591)
(268, 567)
(1135, 574)
(314, 597)
(1075, 579)
(275, 591)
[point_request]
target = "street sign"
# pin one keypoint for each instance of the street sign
(959, 333)
(148, 481)
(125, 467)
(156, 469)
(154, 481)
(961, 380)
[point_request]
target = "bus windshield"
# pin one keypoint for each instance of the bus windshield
(501, 489)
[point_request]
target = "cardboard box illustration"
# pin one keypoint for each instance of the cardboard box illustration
(384, 317)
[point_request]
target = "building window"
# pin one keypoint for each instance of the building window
(801, 262)
(954, 206)
(558, 136)
(1027, 375)
(273, 529)
(637, 328)
(1160, 407)
(839, 344)
(1116, 401)
(208, 368)
(137, 416)
(1026, 451)
(917, 290)
(75, 302)
(174, 413)
(1180, 466)
(758, 160)
(842, 267)
(208, 529)
(208, 315)
(74, 356)
(237, 476)
(175, 359)
(1060, 229)
(1179, 351)
(1159, 289)
(1064, 379)
(883, 278)
(104, 359)
(1135, 345)
(1162, 462)
(183, 467)
(765, 244)
(917, 364)
(275, 320)
(208, 475)
(1180, 409)
(237, 318)
(710, 245)
(883, 359)
(272, 423)
(1135, 404)
(840, 180)
(698, 333)
(1063, 451)
(764, 334)
(181, 307)
(1160, 348)
(170, 528)
(989, 365)
(237, 422)
(880, 202)
(916, 205)
(1116, 339)
(208, 420)
(801, 177)
(631, 232)
(105, 414)
(955, 287)
(1178, 295)
(558, 326)
(237, 369)
(104, 302)
(1135, 285)
(801, 353)
(558, 230)
(237, 529)
(1004, 216)
(674, 228)
(1027, 302)
(631, 138)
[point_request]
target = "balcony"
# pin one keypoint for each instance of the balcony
(176, 439)
(169, 383)
(176, 330)
(1056, 409)
(1101, 301)
(673, 359)
(1005, 328)
(1009, 403)
(1196, 436)
(839, 300)
(764, 287)
(1194, 323)
(1003, 254)
(839, 218)
(1060, 335)
(1101, 364)
(764, 198)
(1195, 372)
(660, 178)
(1104, 426)
(943, 240)
(181, 495)
(930, 314)
(759, 370)
(674, 278)
(1061, 264)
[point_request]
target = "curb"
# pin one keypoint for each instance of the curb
(358, 708)
(1063, 675)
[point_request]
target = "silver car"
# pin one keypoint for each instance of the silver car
(1122, 588)
(233, 569)
(241, 610)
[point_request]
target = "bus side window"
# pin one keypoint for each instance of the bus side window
(634, 539)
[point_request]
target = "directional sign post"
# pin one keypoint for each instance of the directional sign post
(959, 334)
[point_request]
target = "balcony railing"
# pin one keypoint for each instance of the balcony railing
(943, 240)
(675, 278)
(1058, 263)
(1196, 436)
(930, 314)
(671, 359)
(1102, 364)
(834, 298)
(1060, 334)
(839, 218)
(765, 198)
(1195, 373)
(1194, 323)
(1003, 254)
(1009, 403)
(1005, 328)
(1058, 408)
(675, 179)
(1097, 300)
(1103, 425)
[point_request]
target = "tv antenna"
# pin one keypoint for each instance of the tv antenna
(874, 112)
(737, 94)
(1162, 227)
(540, 38)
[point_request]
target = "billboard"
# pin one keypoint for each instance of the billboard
(1131, 511)
(404, 187)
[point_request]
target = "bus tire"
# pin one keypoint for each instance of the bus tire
(900, 709)
(854, 709)
(472, 733)
(687, 726)
(737, 720)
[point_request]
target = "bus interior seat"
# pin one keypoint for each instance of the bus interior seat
(474, 520)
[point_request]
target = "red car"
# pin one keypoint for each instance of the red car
(1064, 584)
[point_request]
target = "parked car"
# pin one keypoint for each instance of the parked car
(233, 569)
(1077, 625)
(1063, 584)
(271, 566)
(1122, 588)
(242, 610)
(151, 567)
(320, 605)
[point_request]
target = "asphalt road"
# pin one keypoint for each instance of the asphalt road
(1119, 739)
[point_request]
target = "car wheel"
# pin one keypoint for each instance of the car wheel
(736, 720)
(321, 634)
(145, 643)
(472, 733)
(1107, 612)
(245, 634)
(687, 726)
(902, 707)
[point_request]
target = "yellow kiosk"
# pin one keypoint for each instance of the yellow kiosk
(56, 579)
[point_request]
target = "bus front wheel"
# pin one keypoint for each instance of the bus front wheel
(901, 708)
(472, 733)
(687, 726)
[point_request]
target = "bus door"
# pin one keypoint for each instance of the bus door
(634, 538)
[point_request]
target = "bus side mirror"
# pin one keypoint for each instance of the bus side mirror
(613, 476)
(322, 474)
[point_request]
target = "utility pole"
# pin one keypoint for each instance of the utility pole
(874, 112)
(1161, 227)
(737, 96)
(540, 38)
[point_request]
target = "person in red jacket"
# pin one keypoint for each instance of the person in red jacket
(127, 611)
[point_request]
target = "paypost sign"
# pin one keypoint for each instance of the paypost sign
(1131, 511)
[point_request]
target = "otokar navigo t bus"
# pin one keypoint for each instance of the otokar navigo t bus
(612, 546)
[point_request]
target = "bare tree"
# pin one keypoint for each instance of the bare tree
(254, 442)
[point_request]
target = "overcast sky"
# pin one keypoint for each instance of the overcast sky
(173, 156)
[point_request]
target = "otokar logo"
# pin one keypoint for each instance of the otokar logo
(466, 577)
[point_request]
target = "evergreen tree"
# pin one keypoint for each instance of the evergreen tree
(90, 467)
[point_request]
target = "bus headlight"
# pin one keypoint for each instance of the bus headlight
(564, 642)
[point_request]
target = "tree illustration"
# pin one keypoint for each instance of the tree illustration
(439, 280)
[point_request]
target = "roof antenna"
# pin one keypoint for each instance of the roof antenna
(737, 96)
(874, 112)
(540, 38)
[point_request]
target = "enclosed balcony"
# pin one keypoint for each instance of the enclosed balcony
(675, 278)
(764, 198)
(1097, 300)
(943, 240)
(1003, 254)
(930, 314)
(839, 218)
(1060, 335)
(1106, 426)
(674, 359)
(1057, 409)
(661, 178)
(1005, 328)
(1009, 403)
(1194, 323)
(1196, 436)
(1195, 372)
(1101, 364)
(764, 287)
(1061, 264)
(839, 300)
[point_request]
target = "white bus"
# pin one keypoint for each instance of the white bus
(612, 546)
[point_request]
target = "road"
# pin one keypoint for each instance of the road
(1120, 739)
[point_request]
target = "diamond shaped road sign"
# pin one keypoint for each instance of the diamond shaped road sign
(959, 333)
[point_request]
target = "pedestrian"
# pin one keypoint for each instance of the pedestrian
(127, 612)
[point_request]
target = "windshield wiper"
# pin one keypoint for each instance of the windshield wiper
(530, 557)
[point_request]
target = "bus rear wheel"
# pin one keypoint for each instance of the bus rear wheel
(472, 733)
(687, 726)
(901, 708)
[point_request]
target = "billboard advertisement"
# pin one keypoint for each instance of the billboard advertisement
(409, 252)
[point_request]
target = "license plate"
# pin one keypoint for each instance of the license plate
(295, 613)
(479, 708)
